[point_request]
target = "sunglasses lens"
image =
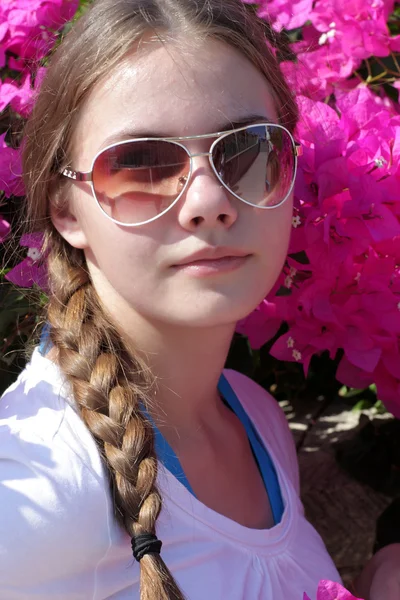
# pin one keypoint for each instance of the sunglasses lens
(138, 180)
(257, 164)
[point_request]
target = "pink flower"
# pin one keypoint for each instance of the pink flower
(4, 229)
(358, 26)
(320, 70)
(329, 590)
(22, 101)
(287, 14)
(19, 96)
(32, 270)
(8, 91)
(346, 290)
(3, 32)
(10, 170)
(263, 323)
(387, 382)
(28, 26)
(342, 33)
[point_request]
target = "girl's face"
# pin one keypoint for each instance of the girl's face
(164, 91)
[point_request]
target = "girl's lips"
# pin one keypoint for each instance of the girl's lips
(212, 266)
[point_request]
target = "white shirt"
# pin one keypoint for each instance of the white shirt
(58, 536)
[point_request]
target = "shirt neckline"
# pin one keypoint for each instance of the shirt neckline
(265, 541)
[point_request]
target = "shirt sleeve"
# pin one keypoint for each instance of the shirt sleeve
(48, 500)
(24, 498)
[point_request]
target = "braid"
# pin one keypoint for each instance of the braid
(107, 385)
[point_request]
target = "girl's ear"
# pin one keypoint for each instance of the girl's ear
(68, 225)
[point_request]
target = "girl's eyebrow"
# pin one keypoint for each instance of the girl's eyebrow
(127, 133)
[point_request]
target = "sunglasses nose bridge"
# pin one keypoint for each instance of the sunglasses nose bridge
(209, 155)
(196, 154)
(185, 179)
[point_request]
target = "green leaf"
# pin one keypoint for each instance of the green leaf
(346, 392)
(380, 407)
(363, 404)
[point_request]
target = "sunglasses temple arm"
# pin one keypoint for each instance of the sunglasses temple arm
(77, 175)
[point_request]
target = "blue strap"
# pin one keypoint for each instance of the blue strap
(44, 342)
(166, 454)
(265, 464)
(171, 462)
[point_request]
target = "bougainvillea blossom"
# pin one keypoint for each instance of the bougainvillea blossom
(329, 590)
(346, 294)
(32, 270)
(360, 26)
(10, 170)
(5, 229)
(285, 14)
(27, 27)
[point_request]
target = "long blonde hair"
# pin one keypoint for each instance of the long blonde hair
(107, 381)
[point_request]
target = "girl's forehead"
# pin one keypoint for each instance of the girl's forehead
(169, 91)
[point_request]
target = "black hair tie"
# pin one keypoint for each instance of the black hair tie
(145, 543)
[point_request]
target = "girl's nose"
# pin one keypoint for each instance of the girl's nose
(206, 203)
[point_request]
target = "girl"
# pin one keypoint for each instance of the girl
(159, 161)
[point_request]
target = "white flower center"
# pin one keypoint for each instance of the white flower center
(380, 162)
(296, 221)
(34, 254)
(296, 355)
(328, 35)
(288, 282)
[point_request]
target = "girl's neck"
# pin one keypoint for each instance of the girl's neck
(187, 364)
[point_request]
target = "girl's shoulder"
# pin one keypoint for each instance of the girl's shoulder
(269, 420)
(35, 401)
(38, 415)
(50, 472)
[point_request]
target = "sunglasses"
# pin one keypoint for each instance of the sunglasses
(137, 181)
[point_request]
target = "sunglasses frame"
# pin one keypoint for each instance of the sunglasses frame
(87, 176)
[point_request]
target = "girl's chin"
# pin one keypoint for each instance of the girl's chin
(215, 315)
(199, 306)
